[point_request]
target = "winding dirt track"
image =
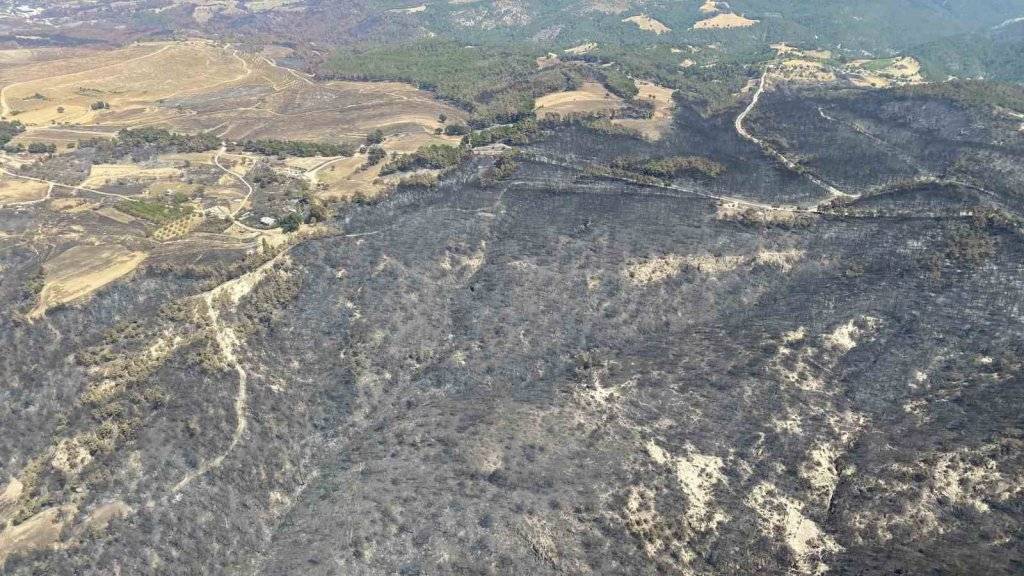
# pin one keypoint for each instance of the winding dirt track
(743, 132)
(69, 186)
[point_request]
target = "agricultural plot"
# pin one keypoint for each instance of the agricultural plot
(80, 271)
(662, 113)
(198, 86)
(590, 98)
(15, 190)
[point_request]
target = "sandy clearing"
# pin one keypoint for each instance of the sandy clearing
(819, 469)
(723, 21)
(783, 49)
(782, 259)
(697, 475)
(99, 518)
(584, 48)
(82, 270)
(808, 365)
(648, 24)
(654, 270)
(711, 6)
(845, 337)
(661, 268)
(9, 498)
(781, 514)
(412, 10)
(39, 531)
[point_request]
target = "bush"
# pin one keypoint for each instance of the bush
(42, 148)
(8, 130)
(375, 155)
(456, 130)
(291, 222)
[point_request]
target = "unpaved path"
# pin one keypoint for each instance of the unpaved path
(675, 188)
(228, 343)
(742, 131)
(69, 186)
(239, 177)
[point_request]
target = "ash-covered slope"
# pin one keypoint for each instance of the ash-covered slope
(581, 377)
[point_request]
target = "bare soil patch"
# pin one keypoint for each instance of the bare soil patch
(723, 21)
(646, 23)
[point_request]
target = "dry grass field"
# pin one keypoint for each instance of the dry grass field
(345, 179)
(648, 24)
(590, 98)
(17, 190)
(133, 81)
(886, 72)
(652, 128)
(194, 86)
(585, 48)
(80, 271)
(101, 174)
(725, 20)
(62, 137)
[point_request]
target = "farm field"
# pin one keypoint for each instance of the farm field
(196, 86)
(82, 270)
(591, 98)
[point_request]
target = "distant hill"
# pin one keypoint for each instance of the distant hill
(994, 54)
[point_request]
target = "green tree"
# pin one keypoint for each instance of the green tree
(374, 155)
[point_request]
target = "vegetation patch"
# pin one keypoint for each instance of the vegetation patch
(155, 211)
(465, 75)
(434, 157)
(296, 148)
(9, 130)
(671, 166)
